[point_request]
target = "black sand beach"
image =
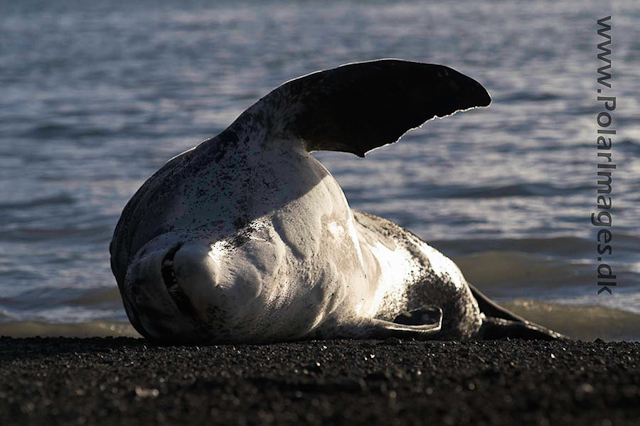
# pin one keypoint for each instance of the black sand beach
(508, 382)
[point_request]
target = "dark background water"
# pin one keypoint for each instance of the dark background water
(96, 96)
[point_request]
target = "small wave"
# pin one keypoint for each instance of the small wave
(83, 232)
(480, 251)
(26, 234)
(580, 322)
(569, 246)
(629, 145)
(515, 190)
(59, 199)
(84, 329)
(97, 297)
(62, 304)
(358, 196)
(47, 130)
(529, 96)
(56, 130)
(499, 272)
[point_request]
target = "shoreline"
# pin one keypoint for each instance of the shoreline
(127, 380)
(583, 322)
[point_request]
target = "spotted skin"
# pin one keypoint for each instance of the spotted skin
(248, 238)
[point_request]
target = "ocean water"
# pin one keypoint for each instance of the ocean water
(96, 96)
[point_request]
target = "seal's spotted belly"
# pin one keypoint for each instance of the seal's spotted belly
(418, 275)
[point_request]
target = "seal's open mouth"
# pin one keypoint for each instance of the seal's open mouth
(173, 286)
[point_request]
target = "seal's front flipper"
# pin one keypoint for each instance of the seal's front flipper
(499, 328)
(385, 329)
(427, 314)
(361, 106)
(420, 324)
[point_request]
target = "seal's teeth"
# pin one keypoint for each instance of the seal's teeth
(170, 278)
(167, 268)
(169, 275)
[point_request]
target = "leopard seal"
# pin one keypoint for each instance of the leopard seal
(248, 238)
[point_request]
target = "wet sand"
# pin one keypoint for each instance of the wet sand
(130, 381)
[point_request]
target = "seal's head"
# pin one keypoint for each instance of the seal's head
(171, 293)
(190, 290)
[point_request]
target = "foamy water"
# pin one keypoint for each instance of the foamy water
(97, 96)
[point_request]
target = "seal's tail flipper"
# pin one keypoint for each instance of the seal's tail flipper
(358, 107)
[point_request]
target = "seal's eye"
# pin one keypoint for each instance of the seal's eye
(173, 286)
